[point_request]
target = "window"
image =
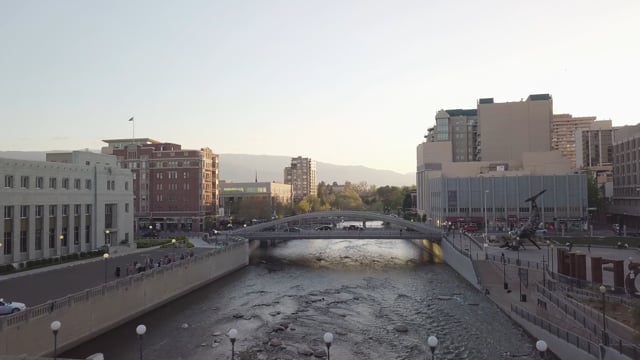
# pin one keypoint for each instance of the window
(8, 181)
(77, 209)
(52, 238)
(65, 183)
(65, 210)
(39, 182)
(126, 207)
(77, 184)
(76, 235)
(53, 211)
(64, 236)
(24, 182)
(7, 243)
(88, 209)
(38, 239)
(126, 185)
(24, 211)
(53, 183)
(87, 184)
(39, 210)
(113, 185)
(23, 241)
(87, 234)
(108, 185)
(8, 212)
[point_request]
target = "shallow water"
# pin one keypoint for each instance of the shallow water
(359, 290)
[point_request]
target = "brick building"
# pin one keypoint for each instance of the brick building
(174, 188)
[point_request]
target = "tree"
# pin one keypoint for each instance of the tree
(348, 200)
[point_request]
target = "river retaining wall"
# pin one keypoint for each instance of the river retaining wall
(89, 313)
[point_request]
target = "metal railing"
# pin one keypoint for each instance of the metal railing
(47, 308)
(573, 339)
(591, 320)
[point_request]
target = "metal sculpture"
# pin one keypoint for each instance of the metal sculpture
(527, 230)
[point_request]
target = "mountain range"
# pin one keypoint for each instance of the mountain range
(246, 168)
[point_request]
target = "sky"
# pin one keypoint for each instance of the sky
(341, 81)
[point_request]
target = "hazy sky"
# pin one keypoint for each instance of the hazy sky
(340, 81)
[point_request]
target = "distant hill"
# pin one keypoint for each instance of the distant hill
(243, 168)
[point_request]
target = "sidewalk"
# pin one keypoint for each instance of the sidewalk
(114, 251)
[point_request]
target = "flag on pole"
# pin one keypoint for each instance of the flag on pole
(131, 119)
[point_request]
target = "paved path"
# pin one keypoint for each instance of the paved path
(38, 286)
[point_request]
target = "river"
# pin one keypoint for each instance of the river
(362, 291)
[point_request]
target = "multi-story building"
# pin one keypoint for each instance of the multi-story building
(594, 154)
(507, 130)
(174, 188)
(564, 129)
(74, 202)
(460, 127)
(512, 160)
(301, 175)
(264, 197)
(626, 179)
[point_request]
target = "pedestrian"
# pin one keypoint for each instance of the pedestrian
(589, 247)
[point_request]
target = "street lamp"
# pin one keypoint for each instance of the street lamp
(107, 238)
(233, 333)
(140, 330)
(432, 341)
(605, 338)
(328, 339)
(61, 242)
(551, 247)
(173, 251)
(486, 254)
(541, 346)
(105, 256)
(504, 272)
(485, 215)
(55, 326)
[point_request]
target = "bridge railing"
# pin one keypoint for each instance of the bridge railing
(568, 336)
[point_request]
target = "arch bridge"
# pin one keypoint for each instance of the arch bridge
(306, 225)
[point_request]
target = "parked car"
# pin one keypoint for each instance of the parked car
(10, 307)
(324, 228)
(292, 229)
(353, 227)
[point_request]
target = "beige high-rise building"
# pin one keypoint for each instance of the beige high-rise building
(563, 133)
(301, 175)
(507, 130)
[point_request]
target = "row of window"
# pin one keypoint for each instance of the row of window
(25, 182)
(53, 210)
(65, 183)
(7, 245)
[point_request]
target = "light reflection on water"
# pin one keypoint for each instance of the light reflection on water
(357, 289)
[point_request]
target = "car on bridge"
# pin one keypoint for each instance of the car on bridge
(10, 307)
(292, 229)
(324, 228)
(353, 227)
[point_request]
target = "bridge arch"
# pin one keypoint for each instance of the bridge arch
(427, 230)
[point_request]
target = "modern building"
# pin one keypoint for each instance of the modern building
(74, 202)
(564, 130)
(301, 175)
(174, 188)
(460, 127)
(594, 154)
(625, 207)
(264, 197)
(507, 130)
(510, 161)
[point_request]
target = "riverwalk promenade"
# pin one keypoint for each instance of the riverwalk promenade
(551, 307)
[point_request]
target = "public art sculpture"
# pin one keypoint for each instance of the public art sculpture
(527, 230)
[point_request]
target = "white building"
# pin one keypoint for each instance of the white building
(74, 202)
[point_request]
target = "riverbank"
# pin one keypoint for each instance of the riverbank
(93, 311)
